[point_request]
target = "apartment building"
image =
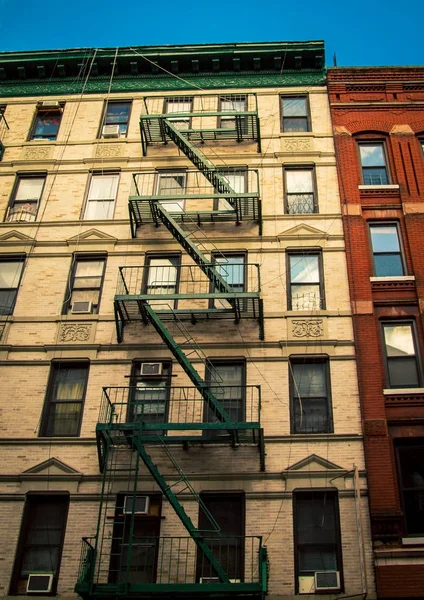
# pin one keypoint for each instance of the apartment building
(378, 116)
(177, 357)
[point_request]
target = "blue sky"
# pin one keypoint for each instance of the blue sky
(361, 33)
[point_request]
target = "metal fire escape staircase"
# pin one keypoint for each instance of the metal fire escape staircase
(122, 429)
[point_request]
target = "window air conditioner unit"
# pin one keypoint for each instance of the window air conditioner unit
(39, 583)
(216, 580)
(111, 131)
(79, 308)
(327, 580)
(49, 105)
(138, 505)
(151, 369)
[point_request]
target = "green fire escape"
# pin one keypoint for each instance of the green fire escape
(202, 564)
(3, 127)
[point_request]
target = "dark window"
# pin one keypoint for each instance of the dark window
(171, 184)
(149, 398)
(26, 196)
(41, 539)
(386, 250)
(47, 122)
(306, 287)
(232, 269)
(85, 285)
(161, 277)
(294, 113)
(300, 191)
(228, 545)
(403, 366)
(227, 381)
(64, 401)
(233, 103)
(179, 104)
(11, 269)
(310, 395)
(317, 535)
(373, 163)
(135, 541)
(101, 196)
(411, 479)
(117, 113)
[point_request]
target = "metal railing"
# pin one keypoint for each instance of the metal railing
(161, 407)
(87, 560)
(132, 559)
(169, 280)
(22, 213)
(194, 104)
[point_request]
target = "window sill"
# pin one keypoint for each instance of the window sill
(393, 278)
(413, 541)
(403, 391)
(393, 186)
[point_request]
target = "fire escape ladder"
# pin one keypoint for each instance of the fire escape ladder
(197, 535)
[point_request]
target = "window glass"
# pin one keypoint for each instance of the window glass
(305, 286)
(24, 204)
(237, 181)
(162, 276)
(226, 381)
(118, 113)
(373, 161)
(310, 400)
(179, 105)
(171, 184)
(402, 365)
(10, 277)
(101, 197)
(64, 400)
(300, 191)
(295, 114)
(411, 465)
(46, 125)
(386, 250)
(85, 284)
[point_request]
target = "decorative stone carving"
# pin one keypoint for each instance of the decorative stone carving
(75, 332)
(36, 153)
(297, 144)
(108, 150)
(307, 328)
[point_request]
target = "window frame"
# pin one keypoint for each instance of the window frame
(231, 116)
(92, 176)
(31, 499)
(321, 284)
(158, 256)
(310, 168)
(170, 99)
(297, 493)
(406, 443)
(212, 362)
(39, 111)
(15, 258)
(244, 170)
(180, 199)
(229, 256)
(373, 142)
(12, 200)
(310, 359)
(307, 117)
(78, 258)
(379, 223)
(417, 355)
(49, 401)
(104, 115)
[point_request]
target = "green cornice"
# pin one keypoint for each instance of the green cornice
(63, 72)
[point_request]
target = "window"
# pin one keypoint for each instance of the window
(411, 479)
(47, 121)
(101, 196)
(300, 194)
(135, 563)
(317, 536)
(402, 365)
(85, 285)
(161, 277)
(234, 103)
(41, 539)
(117, 113)
(294, 111)
(237, 180)
(26, 197)
(64, 401)
(179, 104)
(309, 395)
(305, 282)
(11, 269)
(149, 398)
(387, 255)
(228, 383)
(171, 184)
(232, 269)
(228, 510)
(373, 163)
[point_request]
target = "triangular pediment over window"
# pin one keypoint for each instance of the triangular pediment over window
(303, 231)
(90, 240)
(50, 475)
(15, 241)
(313, 472)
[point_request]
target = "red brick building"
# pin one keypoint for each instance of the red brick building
(378, 120)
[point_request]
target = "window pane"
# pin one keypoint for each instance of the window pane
(70, 383)
(237, 181)
(305, 297)
(103, 187)
(292, 124)
(10, 274)
(233, 104)
(89, 268)
(389, 265)
(403, 372)
(40, 559)
(399, 340)
(178, 105)
(46, 126)
(317, 559)
(299, 181)
(29, 189)
(294, 107)
(231, 269)
(411, 460)
(385, 238)
(7, 301)
(99, 209)
(375, 176)
(304, 269)
(64, 418)
(117, 112)
(171, 184)
(309, 379)
(311, 415)
(162, 272)
(372, 155)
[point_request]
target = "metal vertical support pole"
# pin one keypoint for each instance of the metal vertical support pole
(361, 542)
